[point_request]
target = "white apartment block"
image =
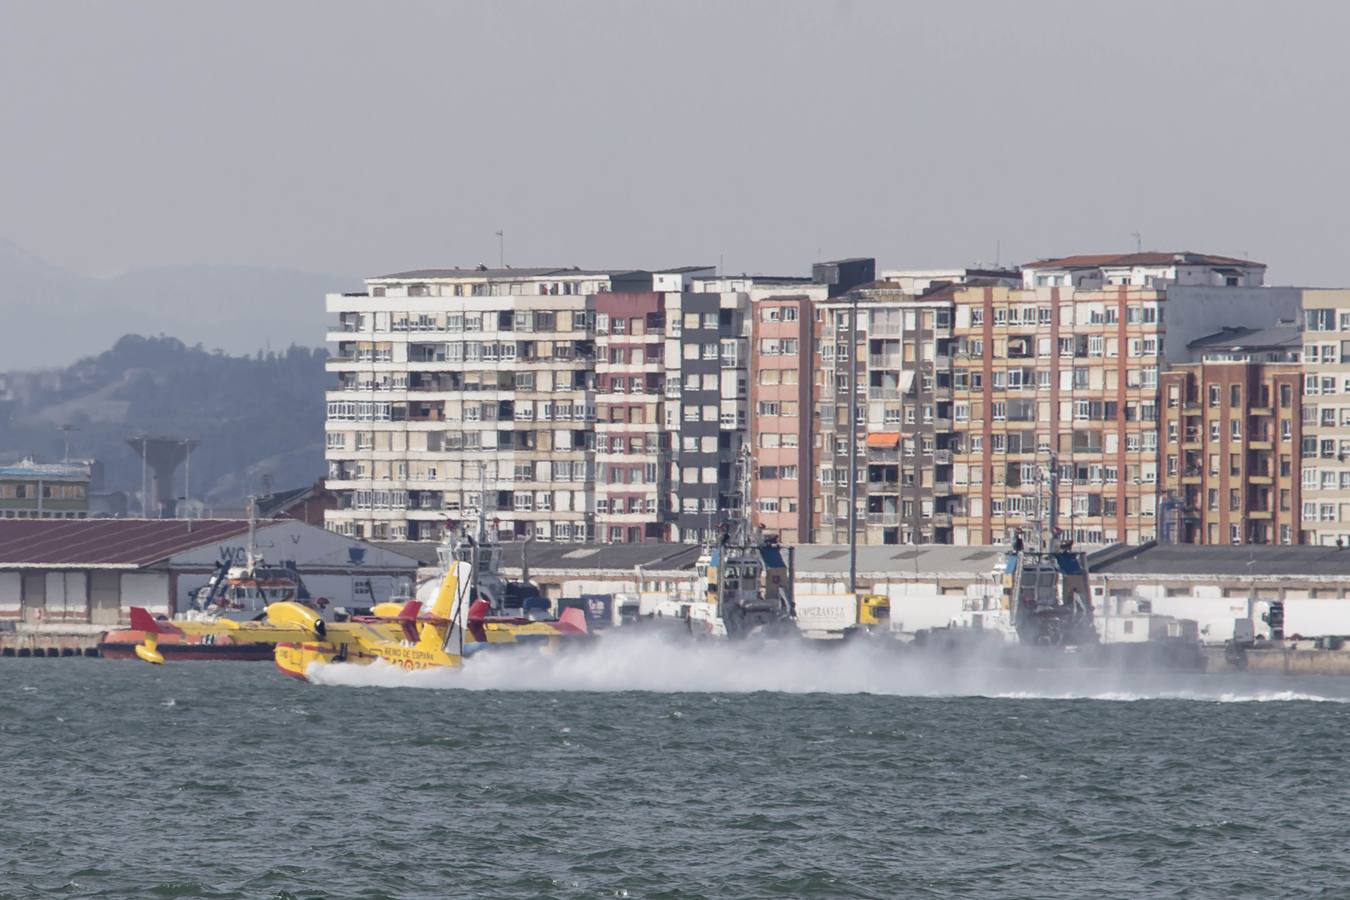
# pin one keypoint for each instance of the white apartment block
(1325, 488)
(1150, 269)
(460, 390)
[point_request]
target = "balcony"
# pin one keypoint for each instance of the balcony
(883, 518)
(942, 457)
(941, 520)
(884, 361)
(1261, 411)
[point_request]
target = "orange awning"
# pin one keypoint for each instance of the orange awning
(884, 440)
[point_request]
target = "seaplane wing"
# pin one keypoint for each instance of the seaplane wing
(153, 630)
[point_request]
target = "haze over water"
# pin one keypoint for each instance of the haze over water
(652, 771)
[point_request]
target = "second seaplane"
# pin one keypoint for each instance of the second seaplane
(457, 625)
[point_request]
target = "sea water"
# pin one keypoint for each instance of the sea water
(645, 769)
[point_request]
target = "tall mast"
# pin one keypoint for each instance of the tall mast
(482, 502)
(1052, 520)
(746, 525)
(252, 549)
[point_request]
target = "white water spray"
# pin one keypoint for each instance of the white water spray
(620, 662)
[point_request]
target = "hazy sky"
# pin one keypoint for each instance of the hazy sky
(363, 138)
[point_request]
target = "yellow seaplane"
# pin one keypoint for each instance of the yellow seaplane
(454, 629)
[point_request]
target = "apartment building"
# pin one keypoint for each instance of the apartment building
(466, 389)
(632, 479)
(1150, 269)
(1069, 364)
(613, 405)
(783, 332)
(1325, 479)
(901, 415)
(1230, 437)
(1043, 371)
(33, 490)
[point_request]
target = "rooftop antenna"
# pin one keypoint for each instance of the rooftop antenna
(1138, 241)
(998, 253)
(501, 248)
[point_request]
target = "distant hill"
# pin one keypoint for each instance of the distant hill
(54, 317)
(254, 415)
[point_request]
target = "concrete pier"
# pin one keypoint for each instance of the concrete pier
(50, 641)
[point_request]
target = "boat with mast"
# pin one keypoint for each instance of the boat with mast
(746, 578)
(1039, 593)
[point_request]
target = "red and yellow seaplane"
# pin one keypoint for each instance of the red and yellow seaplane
(400, 635)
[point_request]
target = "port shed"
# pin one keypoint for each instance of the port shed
(61, 573)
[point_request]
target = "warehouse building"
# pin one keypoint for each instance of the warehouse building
(64, 574)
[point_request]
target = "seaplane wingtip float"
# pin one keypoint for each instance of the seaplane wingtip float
(148, 648)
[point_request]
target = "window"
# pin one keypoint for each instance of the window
(1319, 319)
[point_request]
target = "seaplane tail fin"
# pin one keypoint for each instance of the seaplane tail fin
(407, 619)
(456, 580)
(477, 613)
(572, 621)
(141, 620)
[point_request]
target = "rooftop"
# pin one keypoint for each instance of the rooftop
(1281, 336)
(27, 468)
(1252, 560)
(109, 543)
(1145, 258)
(810, 559)
(474, 272)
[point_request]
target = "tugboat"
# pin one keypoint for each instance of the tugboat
(1038, 595)
(484, 556)
(747, 584)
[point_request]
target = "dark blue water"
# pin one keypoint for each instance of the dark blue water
(227, 780)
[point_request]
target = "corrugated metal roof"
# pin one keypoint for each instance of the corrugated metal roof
(125, 543)
(1242, 561)
(812, 559)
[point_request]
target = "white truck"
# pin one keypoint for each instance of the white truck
(836, 616)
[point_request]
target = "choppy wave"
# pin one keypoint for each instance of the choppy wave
(250, 784)
(1214, 696)
(653, 664)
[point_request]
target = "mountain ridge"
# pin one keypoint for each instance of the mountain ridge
(55, 317)
(259, 418)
